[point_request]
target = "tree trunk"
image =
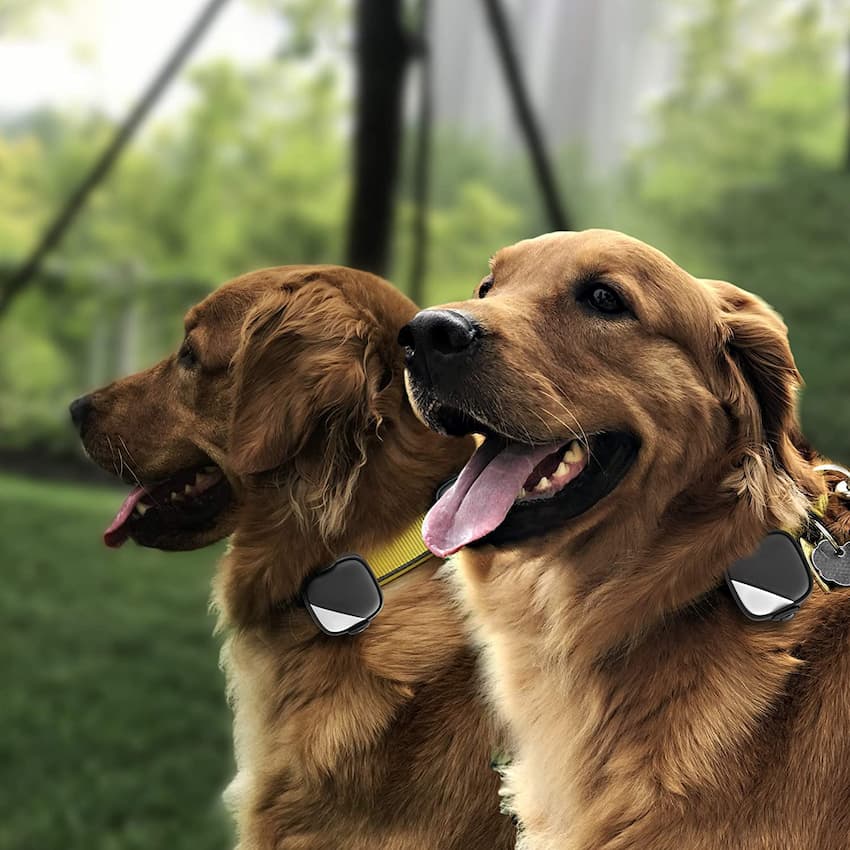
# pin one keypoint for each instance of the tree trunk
(382, 52)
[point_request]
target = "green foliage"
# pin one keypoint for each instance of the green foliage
(116, 730)
(462, 236)
(253, 175)
(743, 180)
(757, 92)
(742, 166)
(480, 199)
(788, 242)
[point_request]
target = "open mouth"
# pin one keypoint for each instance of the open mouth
(169, 513)
(509, 491)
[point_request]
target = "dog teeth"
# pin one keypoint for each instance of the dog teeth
(188, 489)
(574, 452)
(141, 508)
(542, 485)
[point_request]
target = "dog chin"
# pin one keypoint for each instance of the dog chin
(185, 540)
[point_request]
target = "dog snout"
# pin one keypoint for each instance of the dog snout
(81, 409)
(437, 342)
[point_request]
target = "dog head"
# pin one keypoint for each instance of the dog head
(282, 380)
(605, 380)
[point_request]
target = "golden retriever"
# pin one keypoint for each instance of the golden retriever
(282, 419)
(639, 432)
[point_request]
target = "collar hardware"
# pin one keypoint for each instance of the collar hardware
(773, 582)
(343, 598)
(832, 563)
(776, 579)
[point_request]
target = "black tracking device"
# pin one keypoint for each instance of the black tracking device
(774, 581)
(343, 598)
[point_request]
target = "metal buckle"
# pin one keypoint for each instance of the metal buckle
(825, 534)
(829, 559)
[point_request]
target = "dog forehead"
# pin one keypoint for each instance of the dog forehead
(217, 311)
(565, 255)
(229, 304)
(668, 299)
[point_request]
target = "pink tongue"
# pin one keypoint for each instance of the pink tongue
(481, 497)
(117, 534)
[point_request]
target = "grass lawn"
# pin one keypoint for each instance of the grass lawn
(116, 734)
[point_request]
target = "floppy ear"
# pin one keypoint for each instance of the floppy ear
(759, 384)
(761, 378)
(305, 378)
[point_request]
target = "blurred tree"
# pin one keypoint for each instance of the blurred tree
(251, 175)
(421, 155)
(755, 91)
(556, 214)
(744, 178)
(847, 106)
(65, 216)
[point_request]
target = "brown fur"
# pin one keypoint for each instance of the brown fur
(645, 710)
(378, 740)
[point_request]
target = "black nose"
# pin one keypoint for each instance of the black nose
(80, 409)
(438, 337)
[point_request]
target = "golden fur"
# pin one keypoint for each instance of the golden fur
(293, 386)
(646, 713)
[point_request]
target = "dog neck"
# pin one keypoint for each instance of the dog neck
(625, 623)
(614, 576)
(277, 545)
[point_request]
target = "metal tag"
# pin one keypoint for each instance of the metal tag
(343, 598)
(831, 565)
(772, 582)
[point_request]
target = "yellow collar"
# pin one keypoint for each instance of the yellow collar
(393, 559)
(398, 556)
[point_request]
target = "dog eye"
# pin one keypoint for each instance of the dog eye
(485, 286)
(186, 356)
(604, 299)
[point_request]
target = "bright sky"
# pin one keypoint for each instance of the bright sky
(103, 52)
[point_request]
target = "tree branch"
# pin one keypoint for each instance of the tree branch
(60, 225)
(500, 30)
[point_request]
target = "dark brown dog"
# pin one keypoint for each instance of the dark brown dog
(283, 419)
(640, 429)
